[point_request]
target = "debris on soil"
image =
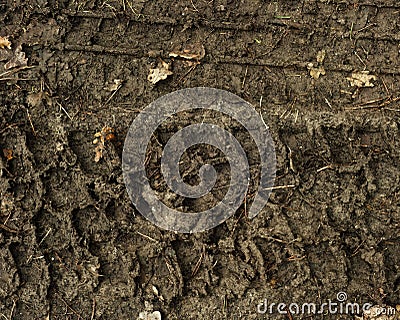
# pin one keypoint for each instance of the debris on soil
(114, 86)
(361, 79)
(156, 315)
(35, 99)
(160, 73)
(379, 313)
(5, 54)
(317, 70)
(5, 43)
(8, 154)
(321, 56)
(17, 60)
(193, 51)
(5, 49)
(156, 293)
(99, 152)
(62, 214)
(106, 134)
(149, 314)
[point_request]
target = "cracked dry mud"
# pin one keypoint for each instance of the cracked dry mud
(72, 245)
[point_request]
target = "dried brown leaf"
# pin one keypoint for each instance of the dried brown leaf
(5, 43)
(317, 71)
(106, 134)
(159, 73)
(361, 79)
(8, 153)
(17, 60)
(99, 152)
(193, 51)
(35, 99)
(114, 86)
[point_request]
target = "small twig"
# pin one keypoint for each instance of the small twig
(112, 95)
(146, 236)
(328, 103)
(70, 308)
(12, 309)
(358, 248)
(12, 71)
(197, 266)
(386, 88)
(93, 308)
(30, 120)
(368, 106)
(369, 102)
(237, 221)
(296, 116)
(277, 240)
(187, 73)
(11, 313)
(359, 58)
(290, 155)
(225, 305)
(294, 258)
(245, 205)
(262, 119)
(245, 75)
(195, 9)
(288, 111)
(9, 127)
(17, 79)
(289, 314)
(390, 109)
(63, 109)
(133, 10)
(8, 229)
(45, 236)
(281, 187)
(351, 31)
(8, 217)
(329, 166)
(169, 267)
(366, 27)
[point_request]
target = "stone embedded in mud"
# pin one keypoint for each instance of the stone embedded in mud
(156, 315)
(149, 314)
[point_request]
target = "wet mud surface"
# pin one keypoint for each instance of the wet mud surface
(72, 245)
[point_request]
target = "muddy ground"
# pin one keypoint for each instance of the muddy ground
(72, 245)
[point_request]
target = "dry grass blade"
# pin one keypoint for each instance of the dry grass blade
(198, 263)
(372, 104)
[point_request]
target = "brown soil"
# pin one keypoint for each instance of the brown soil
(72, 245)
